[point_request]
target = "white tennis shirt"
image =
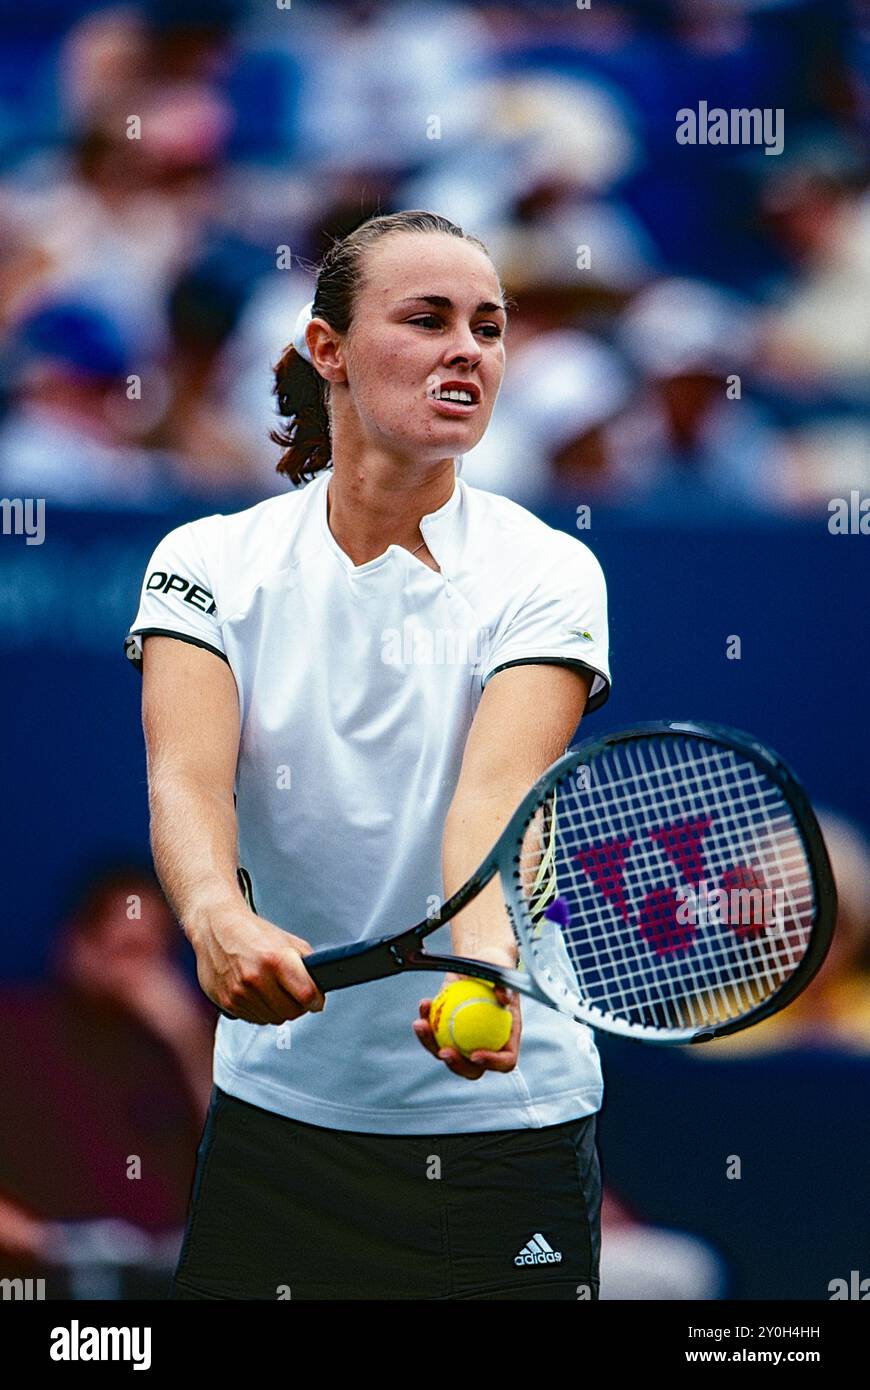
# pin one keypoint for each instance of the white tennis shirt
(358, 685)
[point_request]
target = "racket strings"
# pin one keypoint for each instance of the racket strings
(644, 871)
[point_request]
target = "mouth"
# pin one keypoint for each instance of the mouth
(455, 397)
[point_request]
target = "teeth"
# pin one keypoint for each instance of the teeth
(462, 397)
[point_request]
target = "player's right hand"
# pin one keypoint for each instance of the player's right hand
(250, 968)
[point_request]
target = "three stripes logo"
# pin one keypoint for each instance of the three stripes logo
(538, 1252)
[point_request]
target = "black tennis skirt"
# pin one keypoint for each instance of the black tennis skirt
(281, 1210)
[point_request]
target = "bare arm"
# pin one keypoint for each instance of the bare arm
(526, 717)
(525, 720)
(190, 716)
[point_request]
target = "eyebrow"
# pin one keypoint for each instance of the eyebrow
(440, 301)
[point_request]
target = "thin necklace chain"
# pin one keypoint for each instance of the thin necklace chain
(419, 547)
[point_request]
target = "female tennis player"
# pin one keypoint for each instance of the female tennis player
(347, 690)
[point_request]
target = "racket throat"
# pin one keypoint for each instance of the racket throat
(360, 962)
(477, 969)
(363, 961)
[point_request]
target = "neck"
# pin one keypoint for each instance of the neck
(368, 509)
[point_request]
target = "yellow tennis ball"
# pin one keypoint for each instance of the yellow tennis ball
(466, 1015)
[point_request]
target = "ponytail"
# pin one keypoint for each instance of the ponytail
(305, 439)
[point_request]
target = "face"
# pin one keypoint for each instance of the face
(427, 321)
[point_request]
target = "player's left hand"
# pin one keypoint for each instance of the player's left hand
(473, 1067)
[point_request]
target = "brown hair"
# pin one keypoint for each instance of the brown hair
(303, 394)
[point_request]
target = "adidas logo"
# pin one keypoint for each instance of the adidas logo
(538, 1252)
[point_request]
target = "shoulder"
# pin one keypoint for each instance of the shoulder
(231, 540)
(269, 517)
(511, 537)
(224, 558)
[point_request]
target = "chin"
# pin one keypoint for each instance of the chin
(436, 445)
(462, 438)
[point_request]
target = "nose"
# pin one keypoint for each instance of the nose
(462, 345)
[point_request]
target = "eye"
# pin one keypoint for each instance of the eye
(489, 330)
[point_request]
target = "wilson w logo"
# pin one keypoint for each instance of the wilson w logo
(667, 917)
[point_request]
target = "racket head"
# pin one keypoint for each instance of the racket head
(632, 830)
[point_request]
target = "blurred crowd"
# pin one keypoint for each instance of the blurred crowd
(691, 327)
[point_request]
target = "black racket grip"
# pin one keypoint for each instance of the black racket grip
(340, 966)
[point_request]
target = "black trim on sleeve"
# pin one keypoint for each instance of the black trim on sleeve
(594, 702)
(135, 660)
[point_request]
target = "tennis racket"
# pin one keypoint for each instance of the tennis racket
(668, 883)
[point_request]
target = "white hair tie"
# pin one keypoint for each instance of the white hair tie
(302, 323)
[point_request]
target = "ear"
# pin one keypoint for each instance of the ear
(327, 353)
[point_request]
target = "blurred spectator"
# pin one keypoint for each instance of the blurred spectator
(645, 1262)
(204, 437)
(67, 437)
(101, 63)
(817, 330)
(695, 436)
(110, 1063)
(106, 231)
(377, 76)
(828, 456)
(533, 176)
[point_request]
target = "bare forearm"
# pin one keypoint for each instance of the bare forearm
(471, 829)
(194, 842)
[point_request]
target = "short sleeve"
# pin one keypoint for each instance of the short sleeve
(177, 597)
(561, 618)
